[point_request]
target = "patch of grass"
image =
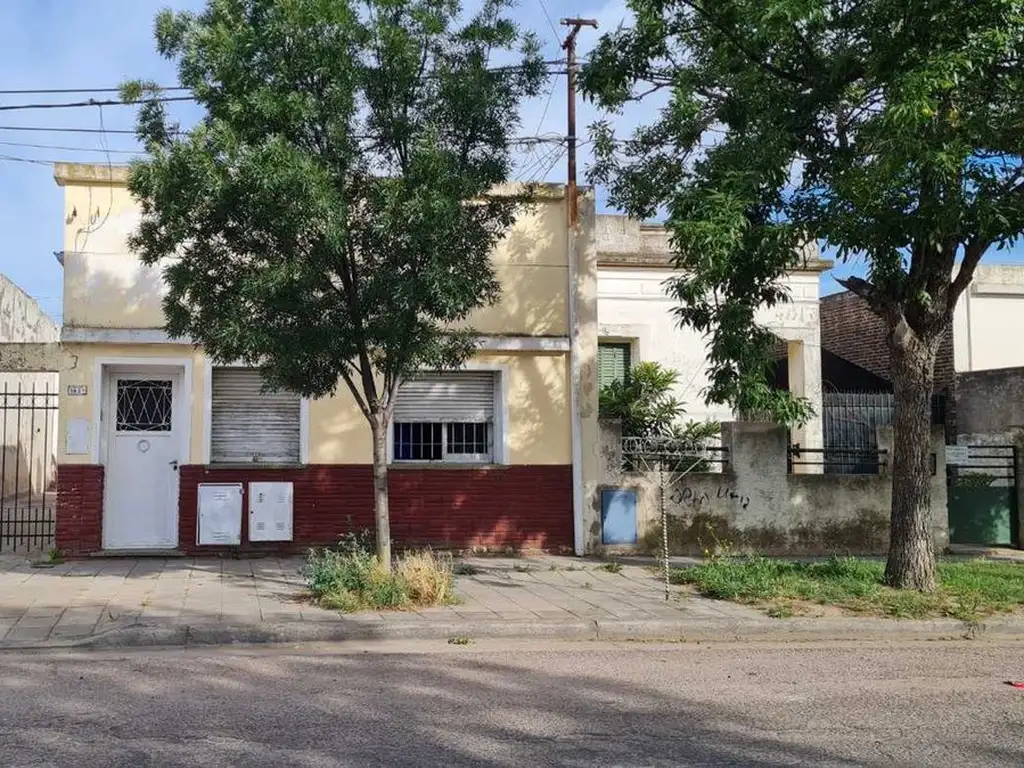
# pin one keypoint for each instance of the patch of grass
(612, 566)
(54, 556)
(967, 590)
(522, 568)
(587, 585)
(351, 579)
(465, 569)
(459, 640)
(780, 610)
(427, 576)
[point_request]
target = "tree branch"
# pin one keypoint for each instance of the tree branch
(973, 252)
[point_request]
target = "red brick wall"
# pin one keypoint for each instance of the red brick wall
(850, 330)
(79, 508)
(528, 507)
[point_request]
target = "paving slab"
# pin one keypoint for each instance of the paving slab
(182, 601)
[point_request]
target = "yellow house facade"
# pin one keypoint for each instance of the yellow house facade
(164, 449)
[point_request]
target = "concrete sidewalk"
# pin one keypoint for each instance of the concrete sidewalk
(149, 602)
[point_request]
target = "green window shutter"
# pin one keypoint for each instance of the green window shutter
(613, 363)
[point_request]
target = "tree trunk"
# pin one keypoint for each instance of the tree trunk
(380, 491)
(911, 563)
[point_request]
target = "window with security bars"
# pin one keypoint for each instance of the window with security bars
(613, 362)
(445, 417)
(143, 405)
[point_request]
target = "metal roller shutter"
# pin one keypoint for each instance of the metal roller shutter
(249, 425)
(458, 396)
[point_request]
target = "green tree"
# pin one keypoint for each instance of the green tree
(644, 402)
(889, 130)
(332, 217)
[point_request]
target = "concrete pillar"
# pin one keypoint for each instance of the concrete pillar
(805, 381)
(757, 459)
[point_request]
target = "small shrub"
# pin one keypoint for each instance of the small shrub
(427, 576)
(351, 578)
(387, 590)
(55, 556)
(459, 640)
(780, 611)
(465, 569)
(521, 568)
(342, 600)
(612, 567)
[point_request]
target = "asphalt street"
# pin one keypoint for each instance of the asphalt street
(517, 704)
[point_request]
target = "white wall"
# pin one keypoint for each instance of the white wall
(634, 263)
(28, 435)
(633, 306)
(988, 319)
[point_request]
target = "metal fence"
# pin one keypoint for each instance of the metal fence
(640, 454)
(839, 461)
(850, 422)
(28, 461)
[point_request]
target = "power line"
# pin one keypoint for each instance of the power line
(13, 159)
(517, 141)
(30, 91)
(70, 149)
(554, 30)
(93, 103)
(119, 102)
(65, 130)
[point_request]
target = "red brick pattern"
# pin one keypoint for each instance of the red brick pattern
(527, 507)
(79, 508)
(850, 330)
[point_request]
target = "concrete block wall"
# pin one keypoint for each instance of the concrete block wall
(755, 506)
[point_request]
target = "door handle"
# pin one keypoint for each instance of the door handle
(174, 464)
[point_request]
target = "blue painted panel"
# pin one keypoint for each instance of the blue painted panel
(618, 516)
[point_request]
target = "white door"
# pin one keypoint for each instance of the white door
(143, 448)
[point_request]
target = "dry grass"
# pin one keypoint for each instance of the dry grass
(427, 576)
(352, 579)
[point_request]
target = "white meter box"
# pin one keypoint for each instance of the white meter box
(220, 514)
(270, 511)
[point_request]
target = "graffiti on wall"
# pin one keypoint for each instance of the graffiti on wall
(695, 498)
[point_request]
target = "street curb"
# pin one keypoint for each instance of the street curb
(671, 630)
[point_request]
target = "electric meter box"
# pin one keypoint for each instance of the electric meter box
(219, 518)
(270, 511)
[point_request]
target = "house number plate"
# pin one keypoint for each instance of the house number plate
(77, 390)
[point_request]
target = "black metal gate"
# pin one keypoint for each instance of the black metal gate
(28, 461)
(982, 496)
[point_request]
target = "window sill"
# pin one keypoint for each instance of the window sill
(253, 465)
(400, 465)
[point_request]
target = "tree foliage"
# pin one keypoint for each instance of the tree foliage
(331, 217)
(889, 130)
(646, 407)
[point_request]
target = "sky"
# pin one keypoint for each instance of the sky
(54, 44)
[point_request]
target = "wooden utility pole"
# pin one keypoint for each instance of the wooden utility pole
(570, 54)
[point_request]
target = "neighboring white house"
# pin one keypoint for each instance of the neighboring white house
(635, 321)
(28, 402)
(987, 317)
